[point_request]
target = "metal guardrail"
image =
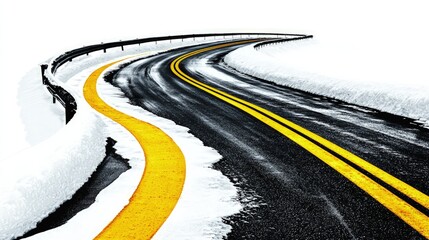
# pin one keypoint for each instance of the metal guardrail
(68, 56)
(278, 41)
(68, 101)
(58, 93)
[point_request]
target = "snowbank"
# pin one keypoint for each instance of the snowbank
(35, 182)
(343, 72)
(41, 118)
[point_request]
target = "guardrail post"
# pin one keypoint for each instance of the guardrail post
(43, 67)
(122, 47)
(69, 112)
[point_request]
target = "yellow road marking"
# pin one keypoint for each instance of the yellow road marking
(396, 183)
(399, 207)
(162, 180)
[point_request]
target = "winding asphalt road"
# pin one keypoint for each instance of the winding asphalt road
(289, 193)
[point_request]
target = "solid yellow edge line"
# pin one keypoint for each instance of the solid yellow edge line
(396, 183)
(410, 215)
(162, 182)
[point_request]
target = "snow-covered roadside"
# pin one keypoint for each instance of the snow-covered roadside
(334, 72)
(39, 179)
(36, 181)
(203, 187)
(40, 116)
(113, 198)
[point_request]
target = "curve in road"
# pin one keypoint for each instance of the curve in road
(302, 196)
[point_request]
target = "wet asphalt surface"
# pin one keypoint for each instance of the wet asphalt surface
(288, 193)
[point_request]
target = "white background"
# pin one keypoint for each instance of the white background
(33, 31)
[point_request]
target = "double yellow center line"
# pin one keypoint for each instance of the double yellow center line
(328, 152)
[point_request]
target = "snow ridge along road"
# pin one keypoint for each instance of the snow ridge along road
(330, 153)
(162, 180)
